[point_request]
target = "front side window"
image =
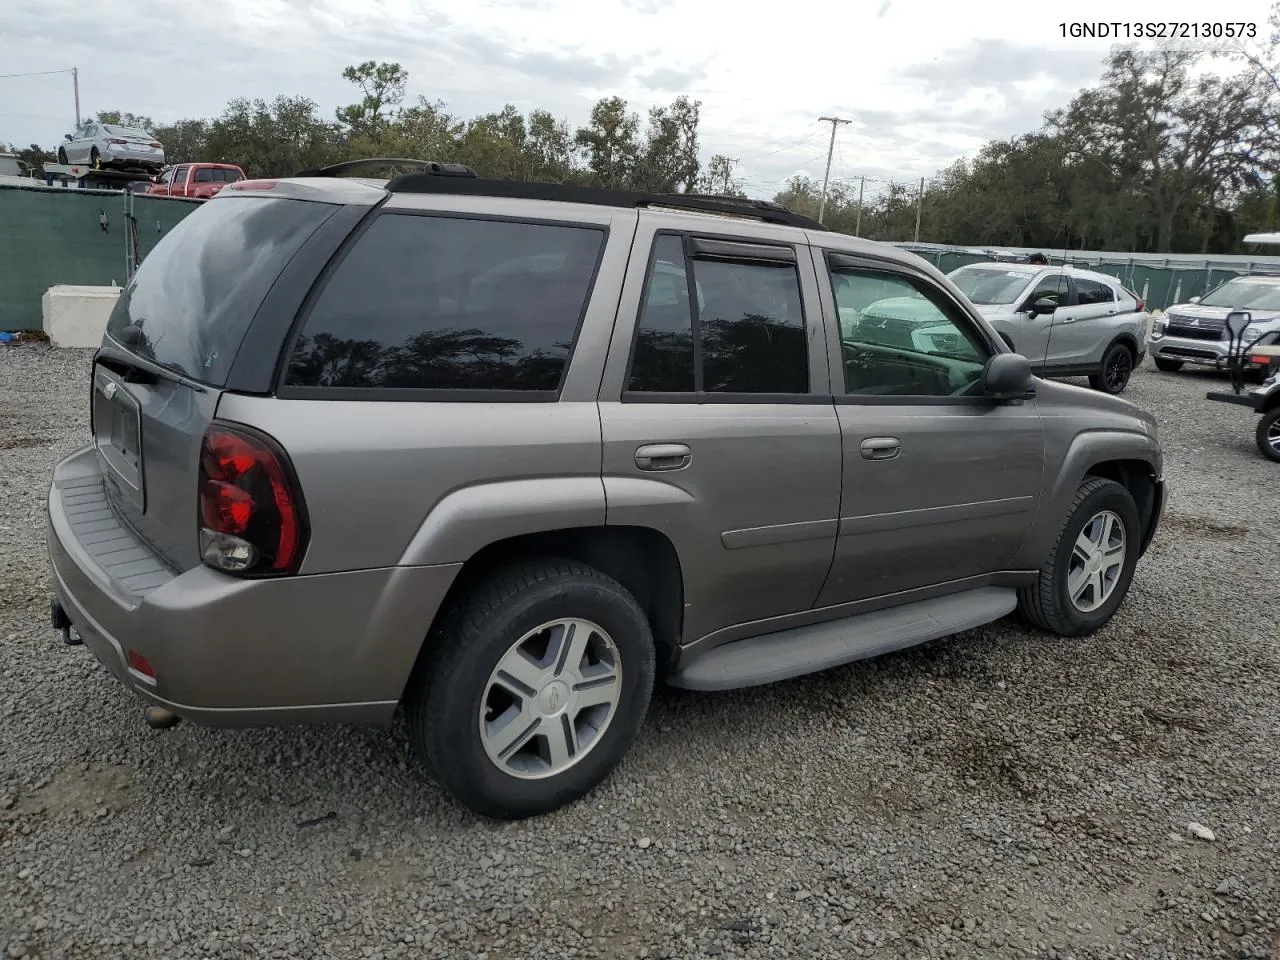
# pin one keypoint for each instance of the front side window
(443, 303)
(903, 342)
(745, 335)
(1052, 287)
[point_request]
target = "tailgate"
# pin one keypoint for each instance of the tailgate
(147, 436)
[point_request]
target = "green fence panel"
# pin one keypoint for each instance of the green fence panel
(69, 236)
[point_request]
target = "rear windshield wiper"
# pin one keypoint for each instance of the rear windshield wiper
(136, 366)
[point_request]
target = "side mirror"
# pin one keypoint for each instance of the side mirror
(67, 136)
(1042, 306)
(1194, 300)
(1007, 376)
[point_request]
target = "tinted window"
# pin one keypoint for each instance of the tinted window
(662, 361)
(227, 175)
(450, 304)
(1052, 287)
(1091, 291)
(905, 342)
(195, 293)
(205, 174)
(749, 320)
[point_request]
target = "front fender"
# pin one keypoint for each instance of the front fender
(1088, 450)
(469, 519)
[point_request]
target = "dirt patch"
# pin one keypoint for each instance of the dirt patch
(23, 443)
(1185, 523)
(84, 788)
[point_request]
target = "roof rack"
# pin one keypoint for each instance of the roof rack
(430, 167)
(430, 181)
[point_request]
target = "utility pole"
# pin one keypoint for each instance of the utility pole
(75, 80)
(732, 162)
(826, 177)
(857, 226)
(919, 206)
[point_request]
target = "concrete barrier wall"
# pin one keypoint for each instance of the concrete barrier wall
(77, 316)
(55, 235)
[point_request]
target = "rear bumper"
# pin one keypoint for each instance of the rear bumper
(229, 652)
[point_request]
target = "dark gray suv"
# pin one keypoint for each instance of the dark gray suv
(505, 454)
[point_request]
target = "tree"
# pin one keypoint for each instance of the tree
(609, 141)
(718, 178)
(118, 119)
(33, 159)
(383, 86)
(273, 140)
(668, 161)
(185, 141)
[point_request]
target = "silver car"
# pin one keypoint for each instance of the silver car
(106, 145)
(1067, 322)
(1194, 332)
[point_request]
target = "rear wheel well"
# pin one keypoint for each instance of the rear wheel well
(642, 560)
(1134, 476)
(1128, 341)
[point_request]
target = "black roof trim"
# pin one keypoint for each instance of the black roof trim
(430, 167)
(764, 210)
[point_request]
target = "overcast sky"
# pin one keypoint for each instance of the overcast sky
(923, 81)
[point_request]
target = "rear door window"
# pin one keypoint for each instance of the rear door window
(445, 303)
(205, 174)
(1091, 292)
(195, 294)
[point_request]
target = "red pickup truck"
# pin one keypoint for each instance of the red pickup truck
(199, 181)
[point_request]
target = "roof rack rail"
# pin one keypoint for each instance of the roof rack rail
(430, 167)
(764, 210)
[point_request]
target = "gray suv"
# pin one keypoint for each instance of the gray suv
(504, 455)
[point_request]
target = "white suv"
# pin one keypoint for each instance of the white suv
(1068, 322)
(1194, 332)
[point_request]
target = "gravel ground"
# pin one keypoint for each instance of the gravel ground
(998, 795)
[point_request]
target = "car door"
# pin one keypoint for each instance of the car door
(178, 187)
(81, 145)
(718, 425)
(1080, 333)
(939, 484)
(1031, 338)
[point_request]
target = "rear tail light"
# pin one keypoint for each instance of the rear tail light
(156, 146)
(118, 143)
(252, 518)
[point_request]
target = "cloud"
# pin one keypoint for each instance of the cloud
(648, 7)
(672, 79)
(1000, 65)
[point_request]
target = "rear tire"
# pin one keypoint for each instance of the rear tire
(1168, 366)
(1057, 602)
(1117, 367)
(1268, 434)
(496, 689)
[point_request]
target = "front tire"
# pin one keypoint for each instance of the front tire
(1268, 434)
(1168, 366)
(1088, 574)
(536, 687)
(95, 159)
(1117, 367)
(62, 156)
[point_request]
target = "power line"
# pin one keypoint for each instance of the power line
(36, 73)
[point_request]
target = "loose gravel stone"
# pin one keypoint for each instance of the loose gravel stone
(1000, 794)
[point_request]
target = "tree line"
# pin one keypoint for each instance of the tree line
(1156, 157)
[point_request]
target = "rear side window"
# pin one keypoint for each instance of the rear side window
(444, 303)
(1091, 291)
(746, 334)
(195, 294)
(205, 174)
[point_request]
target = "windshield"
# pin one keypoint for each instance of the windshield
(126, 132)
(1245, 295)
(991, 285)
(195, 294)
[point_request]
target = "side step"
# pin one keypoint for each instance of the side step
(800, 650)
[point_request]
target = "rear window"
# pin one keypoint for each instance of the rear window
(442, 303)
(216, 175)
(196, 292)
